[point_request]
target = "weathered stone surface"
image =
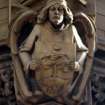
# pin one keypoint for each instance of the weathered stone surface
(7, 94)
(8, 98)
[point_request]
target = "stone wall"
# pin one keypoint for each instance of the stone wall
(98, 75)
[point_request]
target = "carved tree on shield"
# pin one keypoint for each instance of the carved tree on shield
(19, 31)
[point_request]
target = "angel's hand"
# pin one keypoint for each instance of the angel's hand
(77, 66)
(33, 65)
(77, 97)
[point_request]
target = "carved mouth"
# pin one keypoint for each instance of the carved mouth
(56, 17)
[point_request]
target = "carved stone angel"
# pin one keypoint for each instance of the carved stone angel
(45, 62)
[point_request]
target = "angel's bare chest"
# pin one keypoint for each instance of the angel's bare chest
(52, 44)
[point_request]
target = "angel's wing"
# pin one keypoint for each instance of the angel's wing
(86, 29)
(20, 29)
(85, 26)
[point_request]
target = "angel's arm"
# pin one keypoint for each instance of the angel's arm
(82, 50)
(26, 47)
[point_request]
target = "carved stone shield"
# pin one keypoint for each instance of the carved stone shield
(55, 74)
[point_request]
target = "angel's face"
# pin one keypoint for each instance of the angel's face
(56, 14)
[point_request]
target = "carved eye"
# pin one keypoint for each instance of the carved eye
(60, 9)
(52, 9)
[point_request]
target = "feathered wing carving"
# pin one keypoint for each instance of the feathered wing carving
(86, 29)
(20, 29)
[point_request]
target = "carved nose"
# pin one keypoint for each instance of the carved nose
(56, 11)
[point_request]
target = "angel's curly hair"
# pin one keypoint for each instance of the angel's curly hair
(43, 15)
